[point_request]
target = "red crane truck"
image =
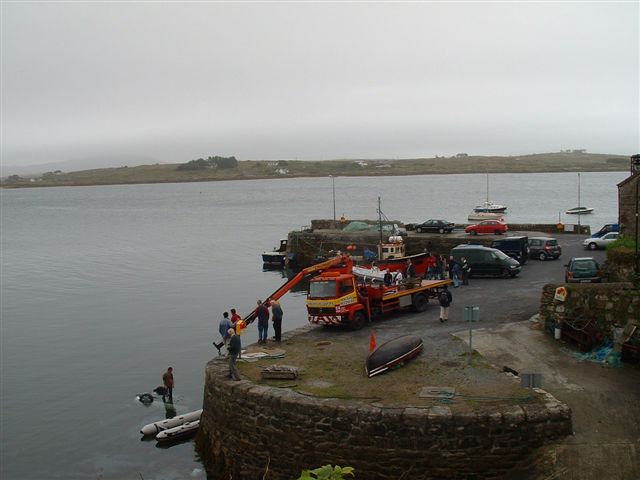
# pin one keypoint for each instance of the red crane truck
(338, 297)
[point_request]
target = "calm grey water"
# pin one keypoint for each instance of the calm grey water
(104, 287)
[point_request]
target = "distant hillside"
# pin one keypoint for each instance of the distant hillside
(252, 169)
(78, 164)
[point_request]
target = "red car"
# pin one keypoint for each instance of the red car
(488, 226)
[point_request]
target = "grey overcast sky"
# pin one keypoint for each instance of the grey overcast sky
(176, 81)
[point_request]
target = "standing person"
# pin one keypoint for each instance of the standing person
(466, 271)
(454, 272)
(411, 270)
(442, 267)
(388, 278)
(167, 381)
(224, 326)
(445, 300)
(431, 266)
(263, 322)
(235, 347)
(276, 318)
(235, 317)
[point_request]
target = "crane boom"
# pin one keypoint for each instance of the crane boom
(343, 261)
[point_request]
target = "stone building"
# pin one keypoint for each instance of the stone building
(628, 200)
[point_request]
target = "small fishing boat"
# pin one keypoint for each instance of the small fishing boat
(180, 431)
(277, 257)
(489, 207)
(579, 211)
(156, 427)
(369, 273)
(393, 353)
(480, 216)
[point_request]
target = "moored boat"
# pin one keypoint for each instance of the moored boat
(156, 427)
(579, 211)
(393, 353)
(277, 257)
(369, 273)
(490, 207)
(480, 216)
(180, 431)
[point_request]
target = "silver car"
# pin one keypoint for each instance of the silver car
(602, 242)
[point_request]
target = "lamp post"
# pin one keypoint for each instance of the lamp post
(333, 186)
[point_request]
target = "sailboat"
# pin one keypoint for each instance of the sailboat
(579, 210)
(488, 206)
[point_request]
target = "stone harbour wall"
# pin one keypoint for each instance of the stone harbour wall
(605, 306)
(248, 429)
(307, 245)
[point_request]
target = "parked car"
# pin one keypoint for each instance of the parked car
(543, 248)
(488, 226)
(515, 247)
(602, 242)
(485, 261)
(435, 226)
(609, 227)
(583, 270)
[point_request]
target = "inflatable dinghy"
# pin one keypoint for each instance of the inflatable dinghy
(178, 432)
(159, 426)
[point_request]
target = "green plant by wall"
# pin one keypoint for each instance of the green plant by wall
(327, 472)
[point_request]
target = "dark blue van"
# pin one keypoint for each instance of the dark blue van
(609, 227)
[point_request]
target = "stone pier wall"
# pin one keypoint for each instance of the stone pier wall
(248, 429)
(597, 308)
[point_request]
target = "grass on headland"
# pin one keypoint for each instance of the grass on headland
(335, 369)
(253, 169)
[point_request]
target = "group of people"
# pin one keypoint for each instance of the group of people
(231, 327)
(262, 312)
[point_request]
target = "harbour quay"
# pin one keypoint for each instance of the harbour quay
(306, 245)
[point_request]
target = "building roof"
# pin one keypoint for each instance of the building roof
(631, 178)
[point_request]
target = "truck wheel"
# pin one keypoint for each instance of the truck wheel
(420, 302)
(358, 321)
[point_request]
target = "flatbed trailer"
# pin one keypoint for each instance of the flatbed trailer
(364, 302)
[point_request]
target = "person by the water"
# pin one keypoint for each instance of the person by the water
(224, 326)
(167, 381)
(235, 347)
(276, 318)
(263, 321)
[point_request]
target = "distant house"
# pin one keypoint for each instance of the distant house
(283, 171)
(461, 155)
(628, 191)
(579, 150)
(362, 164)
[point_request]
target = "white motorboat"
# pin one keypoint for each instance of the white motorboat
(369, 273)
(159, 426)
(178, 432)
(480, 216)
(579, 211)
